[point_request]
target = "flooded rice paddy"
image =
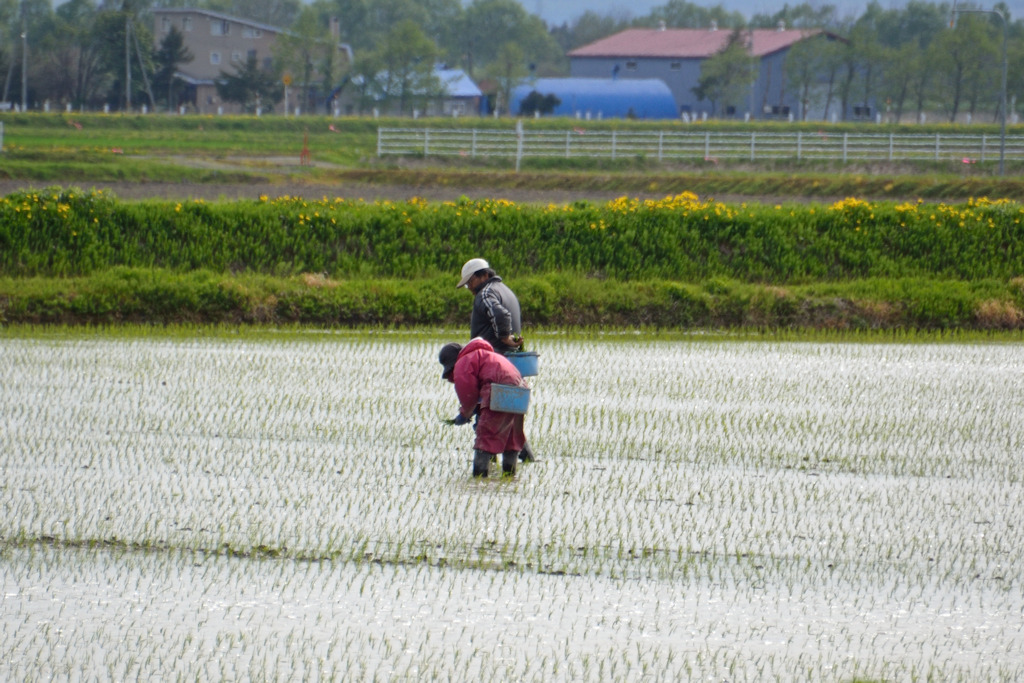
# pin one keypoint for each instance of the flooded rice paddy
(293, 507)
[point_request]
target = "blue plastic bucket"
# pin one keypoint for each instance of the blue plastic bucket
(525, 361)
(509, 399)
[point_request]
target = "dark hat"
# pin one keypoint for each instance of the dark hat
(447, 357)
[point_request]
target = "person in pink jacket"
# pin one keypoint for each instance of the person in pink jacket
(472, 368)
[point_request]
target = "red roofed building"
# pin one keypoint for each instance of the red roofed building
(675, 56)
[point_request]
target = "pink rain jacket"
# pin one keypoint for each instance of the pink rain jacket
(477, 366)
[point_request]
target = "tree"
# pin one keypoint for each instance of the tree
(171, 54)
(508, 70)
(33, 18)
(799, 16)
(683, 14)
(865, 56)
(251, 87)
(274, 12)
(535, 102)
(489, 24)
(588, 28)
(401, 71)
(305, 52)
(726, 77)
(365, 24)
(8, 34)
(904, 36)
(121, 37)
(960, 58)
(809, 68)
(442, 26)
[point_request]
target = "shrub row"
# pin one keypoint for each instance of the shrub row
(163, 297)
(72, 233)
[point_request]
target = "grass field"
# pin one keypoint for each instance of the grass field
(61, 149)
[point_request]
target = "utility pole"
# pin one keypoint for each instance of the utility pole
(24, 60)
(127, 66)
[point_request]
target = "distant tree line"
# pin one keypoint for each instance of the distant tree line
(907, 60)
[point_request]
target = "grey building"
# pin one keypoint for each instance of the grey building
(220, 43)
(676, 56)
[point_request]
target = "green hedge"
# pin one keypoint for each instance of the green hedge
(159, 296)
(71, 233)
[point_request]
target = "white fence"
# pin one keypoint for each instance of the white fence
(706, 145)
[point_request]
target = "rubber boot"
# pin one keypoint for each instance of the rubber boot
(526, 455)
(481, 460)
(508, 463)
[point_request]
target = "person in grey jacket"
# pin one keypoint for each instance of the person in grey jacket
(496, 315)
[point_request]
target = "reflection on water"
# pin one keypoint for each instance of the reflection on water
(112, 613)
(293, 508)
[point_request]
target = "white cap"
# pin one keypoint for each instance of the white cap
(470, 267)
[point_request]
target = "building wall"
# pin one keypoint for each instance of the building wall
(678, 74)
(770, 96)
(217, 44)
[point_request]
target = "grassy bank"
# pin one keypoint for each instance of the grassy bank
(73, 257)
(83, 148)
(149, 296)
(70, 233)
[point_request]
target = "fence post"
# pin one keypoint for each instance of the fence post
(982, 144)
(936, 147)
(426, 142)
(845, 138)
(472, 152)
(380, 142)
(519, 143)
(799, 145)
(613, 145)
(568, 142)
(890, 146)
(661, 137)
(707, 145)
(753, 136)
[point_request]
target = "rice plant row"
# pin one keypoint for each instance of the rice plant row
(763, 507)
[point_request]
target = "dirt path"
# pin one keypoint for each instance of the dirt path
(365, 191)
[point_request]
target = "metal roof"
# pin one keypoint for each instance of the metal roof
(686, 43)
(456, 83)
(645, 98)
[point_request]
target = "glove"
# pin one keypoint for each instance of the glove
(458, 420)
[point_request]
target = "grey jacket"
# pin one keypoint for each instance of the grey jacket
(495, 314)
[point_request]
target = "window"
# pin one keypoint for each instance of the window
(236, 57)
(630, 66)
(675, 66)
(251, 54)
(214, 58)
(861, 112)
(219, 28)
(250, 32)
(186, 23)
(165, 24)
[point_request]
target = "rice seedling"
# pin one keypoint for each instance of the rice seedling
(292, 506)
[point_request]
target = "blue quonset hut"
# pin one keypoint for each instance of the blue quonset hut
(642, 98)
